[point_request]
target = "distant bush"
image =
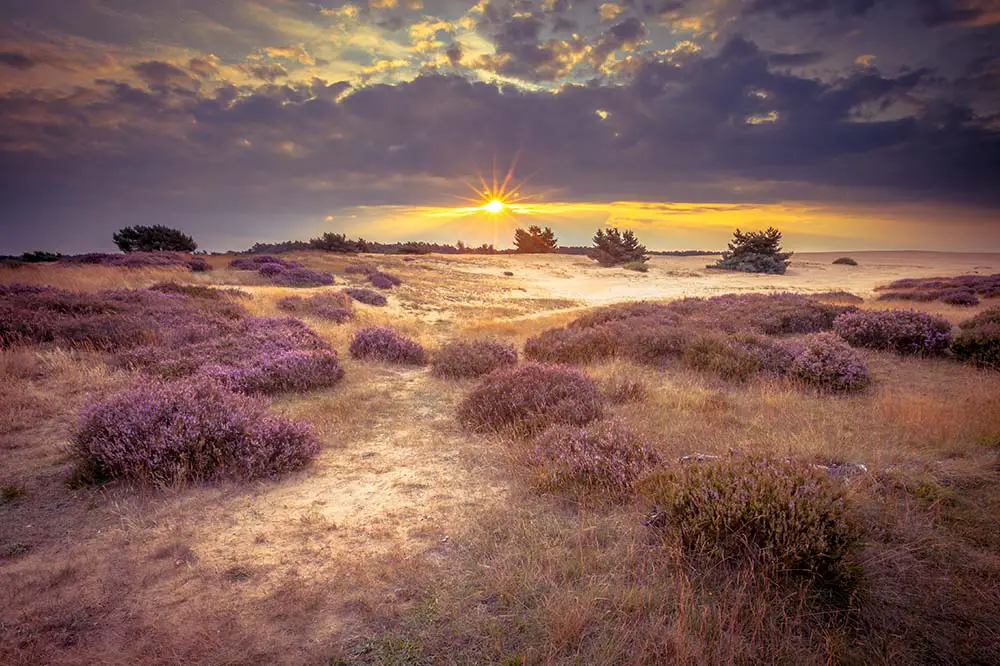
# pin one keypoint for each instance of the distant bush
(383, 280)
(535, 240)
(270, 269)
(836, 297)
(472, 358)
(302, 277)
(140, 260)
(331, 242)
(960, 296)
(978, 340)
(845, 261)
(636, 266)
(155, 238)
(360, 269)
(901, 331)
(159, 434)
(604, 457)
(530, 397)
(255, 262)
(199, 291)
(783, 516)
(755, 252)
(381, 343)
(366, 296)
(615, 248)
(40, 256)
(568, 345)
(827, 363)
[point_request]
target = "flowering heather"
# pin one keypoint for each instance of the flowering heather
(141, 260)
(604, 457)
(270, 270)
(381, 343)
(901, 331)
(978, 340)
(381, 280)
(301, 277)
(366, 296)
(830, 365)
(785, 516)
(461, 359)
(107, 320)
(330, 305)
(254, 262)
(529, 398)
(960, 290)
(164, 433)
(360, 269)
(962, 296)
(661, 312)
(257, 355)
(200, 291)
(568, 345)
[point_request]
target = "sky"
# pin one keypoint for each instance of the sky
(849, 124)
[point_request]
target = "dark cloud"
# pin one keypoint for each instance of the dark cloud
(795, 59)
(16, 60)
(792, 8)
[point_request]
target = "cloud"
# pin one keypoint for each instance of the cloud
(16, 60)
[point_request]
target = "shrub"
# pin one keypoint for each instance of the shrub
(717, 355)
(830, 365)
(199, 265)
(160, 434)
(337, 315)
(614, 248)
(381, 343)
(636, 266)
(384, 280)
(530, 397)
(270, 270)
(902, 331)
(572, 345)
(301, 277)
(331, 242)
(961, 296)
(978, 341)
(366, 296)
(535, 241)
(153, 239)
(360, 269)
(836, 297)
(755, 252)
(332, 306)
(845, 261)
(139, 260)
(473, 358)
(258, 355)
(604, 457)
(254, 262)
(785, 516)
(40, 256)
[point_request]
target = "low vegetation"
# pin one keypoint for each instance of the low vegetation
(156, 238)
(845, 261)
(161, 434)
(382, 343)
(617, 248)
(366, 296)
(535, 240)
(330, 306)
(901, 331)
(963, 290)
(463, 359)
(828, 364)
(978, 340)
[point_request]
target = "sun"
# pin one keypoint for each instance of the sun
(493, 206)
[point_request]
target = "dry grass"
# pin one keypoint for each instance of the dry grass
(410, 541)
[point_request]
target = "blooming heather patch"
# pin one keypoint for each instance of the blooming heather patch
(603, 457)
(960, 290)
(381, 280)
(258, 355)
(360, 269)
(472, 358)
(200, 291)
(901, 331)
(530, 397)
(366, 296)
(253, 263)
(828, 364)
(978, 340)
(302, 277)
(381, 343)
(332, 306)
(163, 433)
(962, 296)
(118, 319)
(786, 516)
(141, 260)
(270, 270)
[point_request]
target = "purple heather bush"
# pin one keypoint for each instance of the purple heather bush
(960, 290)
(333, 313)
(254, 262)
(164, 433)
(462, 359)
(141, 260)
(381, 343)
(301, 277)
(270, 270)
(366, 296)
(604, 457)
(384, 280)
(901, 331)
(783, 516)
(530, 397)
(332, 306)
(962, 296)
(200, 291)
(829, 364)
(978, 340)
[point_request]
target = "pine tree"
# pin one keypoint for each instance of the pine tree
(614, 248)
(755, 252)
(535, 240)
(156, 238)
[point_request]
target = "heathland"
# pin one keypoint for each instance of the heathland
(583, 503)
